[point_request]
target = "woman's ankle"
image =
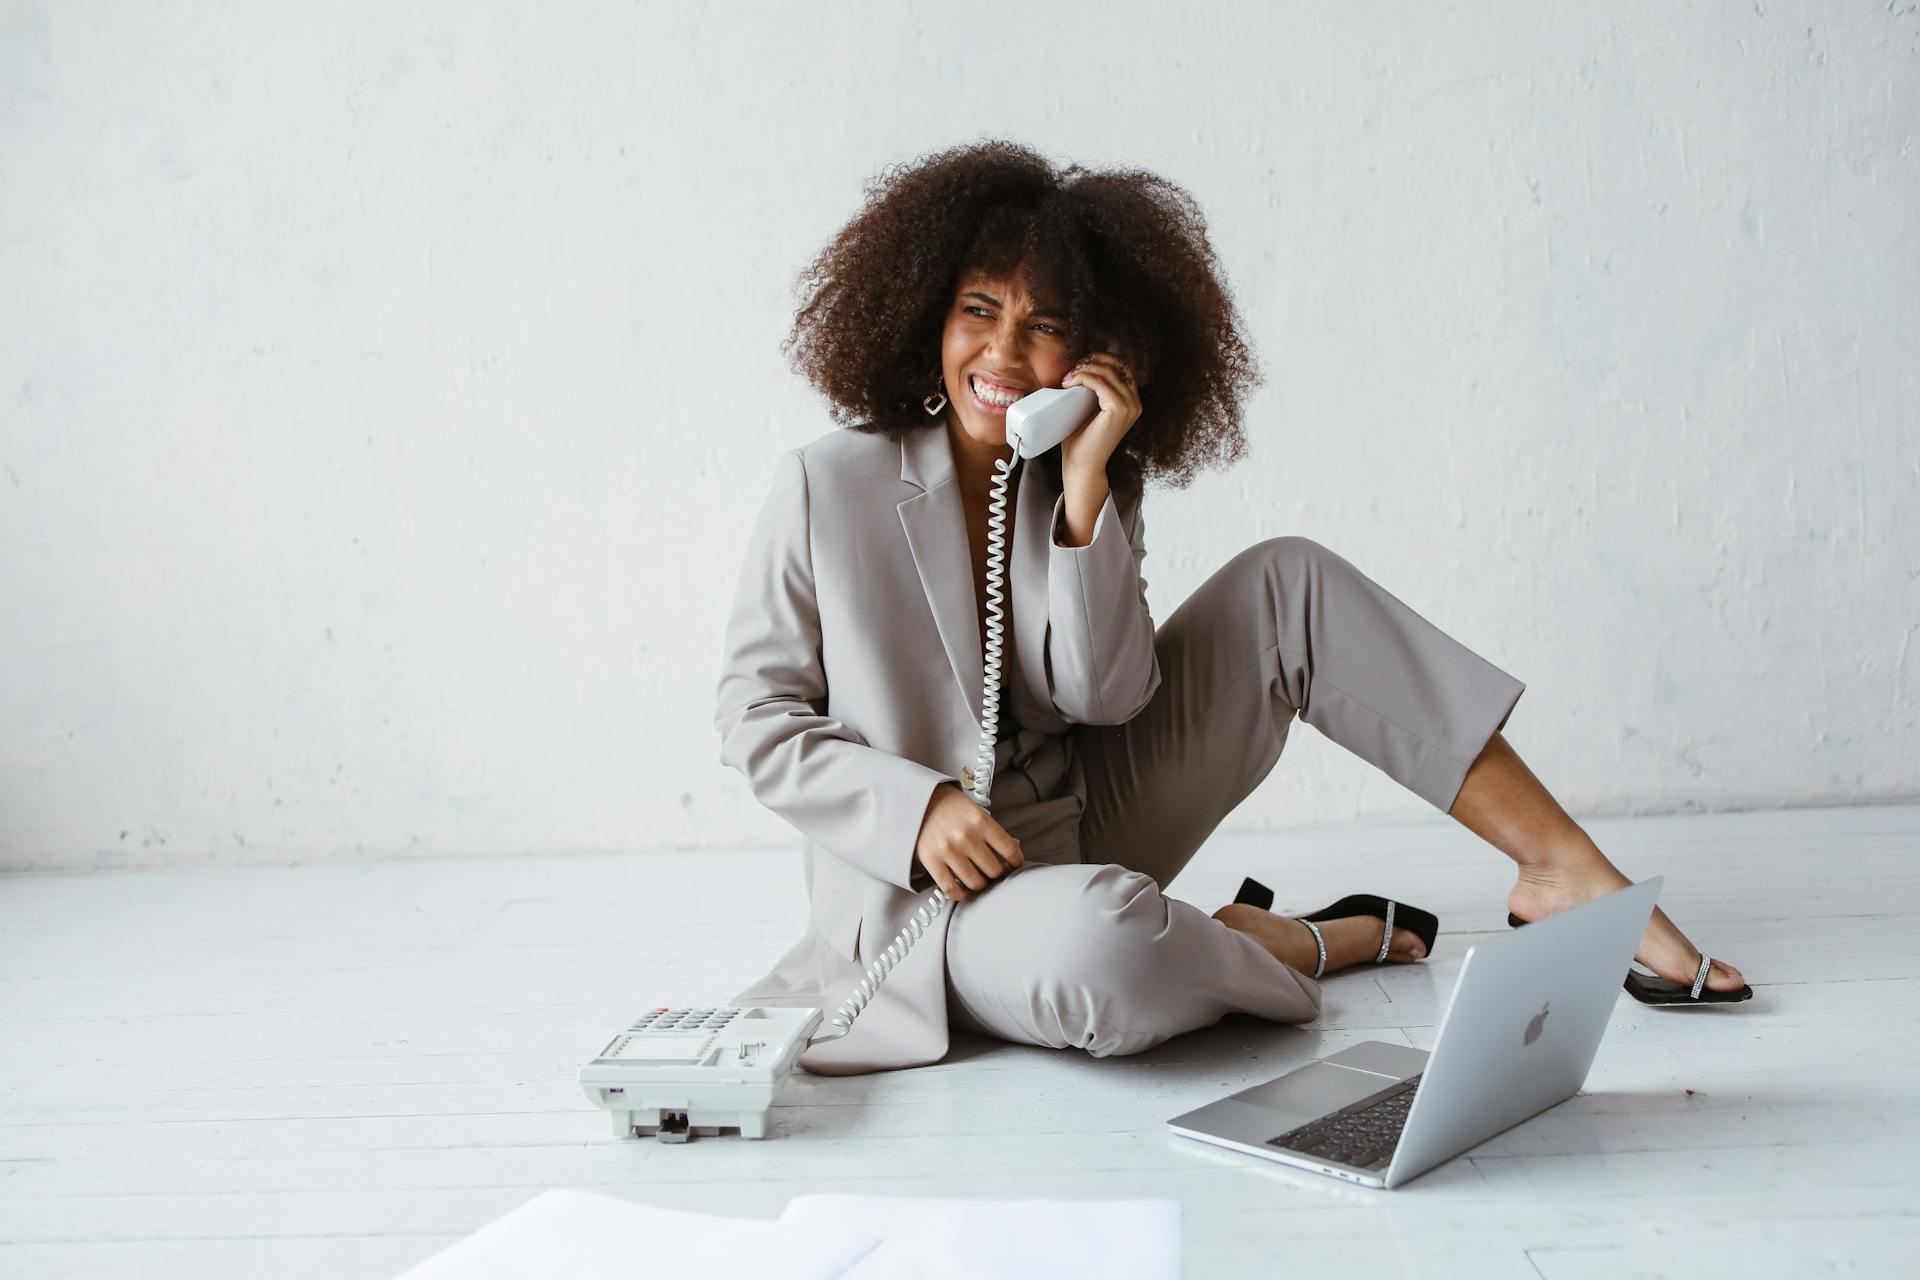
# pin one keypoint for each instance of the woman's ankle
(1285, 940)
(1572, 854)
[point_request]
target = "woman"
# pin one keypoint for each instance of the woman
(850, 695)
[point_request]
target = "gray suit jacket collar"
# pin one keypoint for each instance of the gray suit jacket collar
(936, 528)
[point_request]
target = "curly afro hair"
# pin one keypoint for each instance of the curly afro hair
(1125, 249)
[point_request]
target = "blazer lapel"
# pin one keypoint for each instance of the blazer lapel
(936, 528)
(937, 533)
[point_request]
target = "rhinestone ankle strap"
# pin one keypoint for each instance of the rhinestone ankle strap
(1319, 942)
(1386, 938)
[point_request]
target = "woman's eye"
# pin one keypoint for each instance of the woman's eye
(974, 309)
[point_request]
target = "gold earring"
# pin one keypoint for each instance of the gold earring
(935, 402)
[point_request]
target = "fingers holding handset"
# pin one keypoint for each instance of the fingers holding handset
(961, 846)
(1111, 378)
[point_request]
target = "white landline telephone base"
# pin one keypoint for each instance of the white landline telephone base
(677, 1072)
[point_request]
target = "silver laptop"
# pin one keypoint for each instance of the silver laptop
(1518, 1036)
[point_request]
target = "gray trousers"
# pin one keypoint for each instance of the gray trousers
(1094, 955)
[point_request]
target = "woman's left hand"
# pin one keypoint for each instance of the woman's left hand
(1108, 377)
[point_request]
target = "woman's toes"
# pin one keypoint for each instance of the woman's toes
(1406, 947)
(1669, 953)
(1721, 977)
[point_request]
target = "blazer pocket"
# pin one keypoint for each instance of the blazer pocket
(836, 919)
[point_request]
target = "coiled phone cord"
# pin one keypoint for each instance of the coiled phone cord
(990, 686)
(981, 794)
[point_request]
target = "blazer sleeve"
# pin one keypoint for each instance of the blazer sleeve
(1100, 657)
(863, 804)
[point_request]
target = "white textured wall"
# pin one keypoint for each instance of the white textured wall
(387, 388)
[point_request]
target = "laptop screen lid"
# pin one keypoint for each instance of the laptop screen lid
(1522, 1026)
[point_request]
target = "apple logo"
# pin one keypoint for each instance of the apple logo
(1537, 1025)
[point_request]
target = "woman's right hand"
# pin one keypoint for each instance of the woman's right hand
(961, 846)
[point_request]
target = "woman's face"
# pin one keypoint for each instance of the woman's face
(999, 342)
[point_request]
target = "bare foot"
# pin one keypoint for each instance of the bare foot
(1582, 873)
(1350, 941)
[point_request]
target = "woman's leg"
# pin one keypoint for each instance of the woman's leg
(1286, 628)
(1094, 957)
(1560, 866)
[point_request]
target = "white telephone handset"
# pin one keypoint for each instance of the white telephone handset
(1039, 421)
(676, 1071)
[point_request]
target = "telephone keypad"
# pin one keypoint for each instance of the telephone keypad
(685, 1019)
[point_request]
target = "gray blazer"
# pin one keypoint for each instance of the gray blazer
(850, 687)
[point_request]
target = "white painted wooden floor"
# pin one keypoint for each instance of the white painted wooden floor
(336, 1070)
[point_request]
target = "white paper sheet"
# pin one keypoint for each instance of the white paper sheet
(582, 1235)
(929, 1239)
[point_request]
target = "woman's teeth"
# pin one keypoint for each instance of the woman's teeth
(998, 398)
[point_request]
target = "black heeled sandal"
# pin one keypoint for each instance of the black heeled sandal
(1651, 988)
(1423, 924)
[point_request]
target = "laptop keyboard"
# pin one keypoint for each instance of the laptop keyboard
(1362, 1134)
